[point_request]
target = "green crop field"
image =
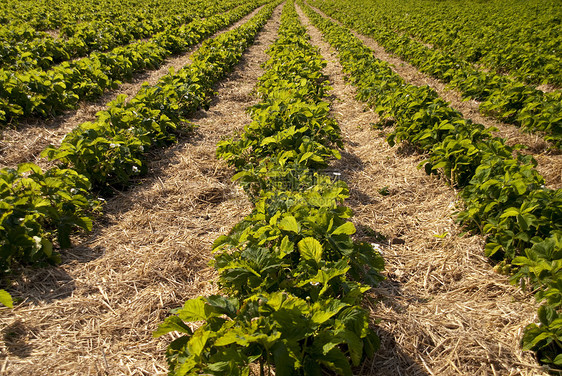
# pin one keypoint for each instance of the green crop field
(281, 187)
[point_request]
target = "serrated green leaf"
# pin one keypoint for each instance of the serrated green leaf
(196, 310)
(289, 223)
(324, 310)
(310, 249)
(171, 324)
(286, 247)
(197, 342)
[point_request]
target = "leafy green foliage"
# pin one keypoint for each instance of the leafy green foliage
(505, 197)
(43, 51)
(296, 242)
(111, 150)
(36, 205)
(84, 27)
(298, 335)
(35, 92)
(286, 267)
(502, 96)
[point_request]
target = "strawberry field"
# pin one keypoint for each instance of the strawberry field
(277, 187)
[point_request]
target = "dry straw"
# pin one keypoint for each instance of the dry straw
(95, 314)
(442, 309)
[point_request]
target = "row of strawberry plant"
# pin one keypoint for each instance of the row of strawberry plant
(78, 40)
(54, 14)
(502, 97)
(505, 198)
(43, 15)
(36, 205)
(288, 301)
(47, 93)
(20, 29)
(515, 37)
(20, 33)
(521, 39)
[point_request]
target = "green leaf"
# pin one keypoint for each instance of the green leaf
(325, 275)
(171, 324)
(546, 314)
(510, 212)
(27, 167)
(197, 342)
(47, 247)
(186, 367)
(310, 249)
(286, 247)
(86, 223)
(221, 304)
(543, 336)
(285, 359)
(246, 336)
(267, 141)
(355, 346)
(196, 310)
(235, 335)
(337, 362)
(6, 299)
(520, 186)
(289, 223)
(306, 156)
(324, 310)
(347, 228)
(522, 221)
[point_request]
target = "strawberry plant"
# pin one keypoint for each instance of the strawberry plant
(503, 97)
(505, 198)
(298, 336)
(37, 205)
(35, 92)
(288, 301)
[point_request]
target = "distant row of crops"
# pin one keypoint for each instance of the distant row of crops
(47, 89)
(490, 59)
(41, 206)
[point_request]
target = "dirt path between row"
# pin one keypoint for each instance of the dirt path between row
(549, 161)
(95, 314)
(443, 310)
(25, 142)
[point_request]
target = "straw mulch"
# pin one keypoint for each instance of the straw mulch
(549, 159)
(95, 313)
(442, 309)
(24, 141)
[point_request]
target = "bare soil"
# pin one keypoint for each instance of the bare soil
(95, 313)
(442, 309)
